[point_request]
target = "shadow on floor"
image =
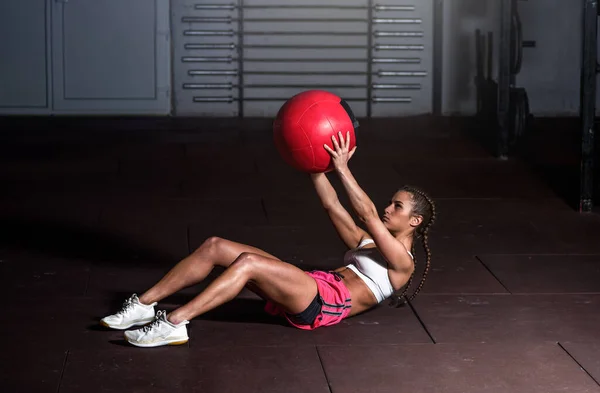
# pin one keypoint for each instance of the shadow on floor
(551, 147)
(553, 150)
(238, 310)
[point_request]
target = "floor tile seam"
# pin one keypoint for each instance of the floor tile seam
(581, 366)
(518, 342)
(102, 296)
(483, 255)
(594, 293)
(440, 344)
(270, 196)
(511, 294)
(194, 346)
(128, 198)
(88, 279)
(486, 158)
(404, 344)
(263, 205)
(451, 343)
(183, 198)
(421, 322)
(492, 273)
(464, 294)
(489, 199)
(62, 373)
(44, 295)
(181, 188)
(323, 369)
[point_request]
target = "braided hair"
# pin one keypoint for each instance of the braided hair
(423, 206)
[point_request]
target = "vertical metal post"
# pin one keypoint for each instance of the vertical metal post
(588, 103)
(514, 43)
(369, 58)
(504, 77)
(438, 34)
(240, 53)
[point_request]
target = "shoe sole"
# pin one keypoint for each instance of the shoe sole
(158, 344)
(123, 327)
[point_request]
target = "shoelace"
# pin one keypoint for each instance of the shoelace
(155, 323)
(126, 306)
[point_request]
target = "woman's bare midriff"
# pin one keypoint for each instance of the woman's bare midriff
(361, 295)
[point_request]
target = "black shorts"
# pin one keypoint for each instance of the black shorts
(307, 317)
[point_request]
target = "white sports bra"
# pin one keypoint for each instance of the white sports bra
(372, 267)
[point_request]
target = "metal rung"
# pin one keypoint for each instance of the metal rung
(261, 46)
(307, 20)
(337, 73)
(209, 46)
(396, 60)
(228, 19)
(207, 19)
(215, 6)
(213, 72)
(229, 86)
(401, 86)
(380, 7)
(308, 6)
(397, 21)
(304, 86)
(305, 60)
(401, 73)
(207, 59)
(398, 34)
(303, 73)
(285, 6)
(406, 100)
(194, 86)
(346, 73)
(305, 33)
(229, 33)
(229, 99)
(399, 47)
(287, 98)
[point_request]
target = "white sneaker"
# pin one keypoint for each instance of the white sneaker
(133, 313)
(160, 332)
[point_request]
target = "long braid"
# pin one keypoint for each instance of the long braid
(425, 241)
(423, 233)
(407, 286)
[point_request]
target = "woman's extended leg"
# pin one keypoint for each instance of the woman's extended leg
(193, 269)
(280, 282)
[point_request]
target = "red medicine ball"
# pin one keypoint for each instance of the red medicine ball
(305, 123)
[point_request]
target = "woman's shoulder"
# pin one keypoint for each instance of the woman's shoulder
(366, 241)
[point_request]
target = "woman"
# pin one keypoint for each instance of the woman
(377, 265)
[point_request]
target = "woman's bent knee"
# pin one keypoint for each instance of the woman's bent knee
(246, 258)
(246, 261)
(212, 243)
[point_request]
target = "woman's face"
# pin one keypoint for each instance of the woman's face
(397, 216)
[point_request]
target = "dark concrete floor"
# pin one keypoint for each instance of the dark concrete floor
(93, 210)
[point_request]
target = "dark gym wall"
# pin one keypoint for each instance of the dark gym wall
(550, 72)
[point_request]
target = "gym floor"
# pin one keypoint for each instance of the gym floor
(92, 210)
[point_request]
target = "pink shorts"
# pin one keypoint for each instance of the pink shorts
(333, 297)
